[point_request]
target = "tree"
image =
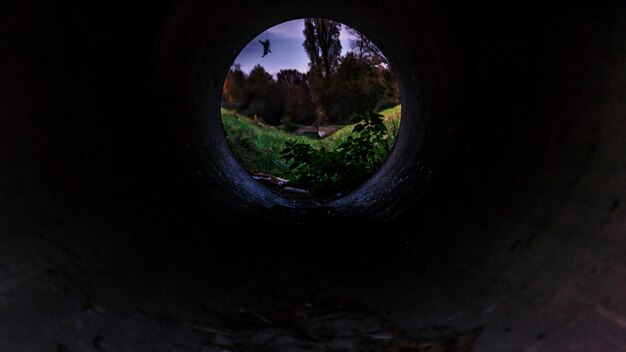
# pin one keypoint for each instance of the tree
(391, 92)
(262, 97)
(233, 92)
(365, 48)
(366, 51)
(295, 89)
(357, 87)
(323, 48)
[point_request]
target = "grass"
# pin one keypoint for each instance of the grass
(392, 121)
(257, 147)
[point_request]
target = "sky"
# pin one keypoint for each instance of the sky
(287, 51)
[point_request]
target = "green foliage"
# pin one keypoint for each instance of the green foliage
(262, 97)
(356, 86)
(257, 147)
(353, 161)
(294, 87)
(288, 125)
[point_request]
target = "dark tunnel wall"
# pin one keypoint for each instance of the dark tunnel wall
(116, 225)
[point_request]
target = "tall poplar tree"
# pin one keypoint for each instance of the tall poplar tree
(322, 45)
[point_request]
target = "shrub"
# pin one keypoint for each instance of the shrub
(328, 172)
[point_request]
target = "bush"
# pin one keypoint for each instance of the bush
(354, 160)
(288, 125)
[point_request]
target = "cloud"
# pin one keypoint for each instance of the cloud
(294, 29)
(290, 29)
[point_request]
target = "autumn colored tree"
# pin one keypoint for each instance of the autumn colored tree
(233, 92)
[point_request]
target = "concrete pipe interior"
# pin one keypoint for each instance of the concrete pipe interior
(127, 226)
(217, 174)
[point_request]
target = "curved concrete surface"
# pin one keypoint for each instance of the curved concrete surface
(126, 225)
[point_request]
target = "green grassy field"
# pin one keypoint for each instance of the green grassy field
(257, 147)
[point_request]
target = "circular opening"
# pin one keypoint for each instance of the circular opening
(192, 58)
(311, 109)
